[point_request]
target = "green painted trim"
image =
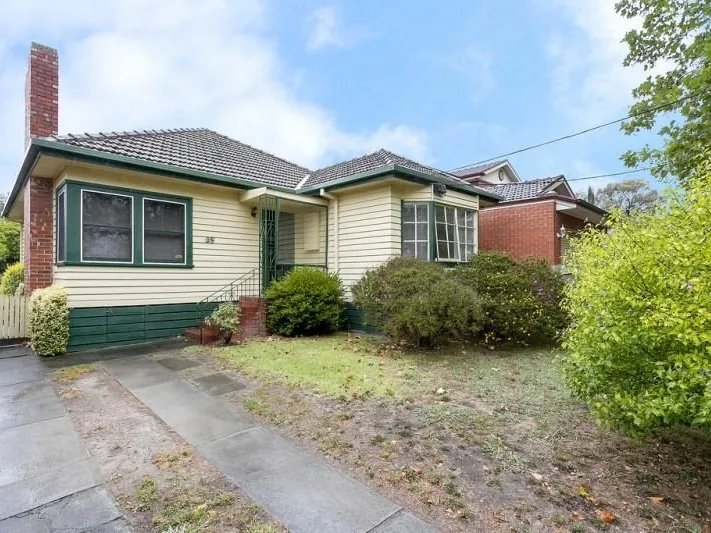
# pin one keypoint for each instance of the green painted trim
(61, 190)
(74, 205)
(433, 232)
(402, 220)
(100, 327)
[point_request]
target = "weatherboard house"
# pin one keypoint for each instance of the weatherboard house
(148, 229)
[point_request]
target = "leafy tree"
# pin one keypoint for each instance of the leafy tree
(676, 33)
(628, 195)
(639, 350)
(9, 242)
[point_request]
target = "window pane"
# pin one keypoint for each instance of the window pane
(163, 232)
(441, 232)
(408, 232)
(422, 251)
(422, 213)
(408, 249)
(408, 212)
(106, 227)
(442, 252)
(61, 227)
(439, 213)
(452, 251)
(460, 217)
(422, 231)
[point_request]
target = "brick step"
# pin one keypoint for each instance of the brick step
(201, 335)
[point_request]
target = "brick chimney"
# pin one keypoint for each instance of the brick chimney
(41, 120)
(42, 93)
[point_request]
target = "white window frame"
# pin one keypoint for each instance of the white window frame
(457, 245)
(143, 231)
(415, 222)
(81, 229)
(62, 191)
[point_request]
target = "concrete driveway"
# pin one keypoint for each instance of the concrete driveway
(48, 482)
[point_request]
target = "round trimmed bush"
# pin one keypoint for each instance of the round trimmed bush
(13, 276)
(307, 301)
(418, 302)
(49, 321)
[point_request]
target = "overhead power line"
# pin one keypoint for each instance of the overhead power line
(587, 130)
(634, 170)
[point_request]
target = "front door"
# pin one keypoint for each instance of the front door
(267, 246)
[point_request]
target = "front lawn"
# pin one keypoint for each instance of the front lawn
(472, 439)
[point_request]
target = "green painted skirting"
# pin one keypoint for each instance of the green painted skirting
(354, 320)
(100, 327)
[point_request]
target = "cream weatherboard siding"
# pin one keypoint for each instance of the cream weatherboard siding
(368, 236)
(217, 213)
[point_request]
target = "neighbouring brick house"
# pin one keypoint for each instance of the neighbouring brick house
(535, 218)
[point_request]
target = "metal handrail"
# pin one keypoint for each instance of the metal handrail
(245, 285)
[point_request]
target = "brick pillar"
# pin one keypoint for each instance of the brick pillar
(253, 317)
(37, 233)
(42, 93)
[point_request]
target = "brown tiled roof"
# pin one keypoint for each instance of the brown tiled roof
(477, 169)
(523, 190)
(384, 158)
(204, 150)
(195, 149)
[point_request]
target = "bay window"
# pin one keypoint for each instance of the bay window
(110, 226)
(433, 231)
(415, 230)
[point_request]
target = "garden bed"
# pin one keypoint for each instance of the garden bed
(470, 439)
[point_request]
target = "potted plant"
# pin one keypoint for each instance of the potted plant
(225, 319)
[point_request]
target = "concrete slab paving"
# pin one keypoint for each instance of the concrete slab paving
(195, 416)
(87, 510)
(297, 488)
(218, 384)
(44, 467)
(18, 350)
(138, 372)
(177, 363)
(31, 449)
(24, 403)
(15, 370)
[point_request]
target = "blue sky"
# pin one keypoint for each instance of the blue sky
(446, 83)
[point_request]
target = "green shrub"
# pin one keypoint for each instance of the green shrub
(417, 302)
(521, 301)
(225, 318)
(13, 276)
(49, 321)
(639, 349)
(307, 301)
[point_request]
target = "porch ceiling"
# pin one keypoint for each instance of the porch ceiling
(252, 197)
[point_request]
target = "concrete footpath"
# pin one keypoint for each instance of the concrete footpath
(48, 482)
(299, 489)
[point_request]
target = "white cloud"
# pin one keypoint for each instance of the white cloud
(134, 64)
(588, 81)
(327, 30)
(475, 64)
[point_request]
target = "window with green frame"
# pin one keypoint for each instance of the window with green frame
(438, 232)
(99, 225)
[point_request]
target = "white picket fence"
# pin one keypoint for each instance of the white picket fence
(13, 317)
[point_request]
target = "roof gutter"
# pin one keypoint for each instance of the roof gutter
(39, 147)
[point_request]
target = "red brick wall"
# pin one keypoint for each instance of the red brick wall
(253, 316)
(37, 228)
(42, 93)
(523, 230)
(571, 224)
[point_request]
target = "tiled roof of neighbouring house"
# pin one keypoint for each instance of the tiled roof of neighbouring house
(477, 169)
(523, 190)
(203, 150)
(195, 149)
